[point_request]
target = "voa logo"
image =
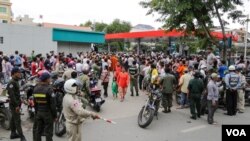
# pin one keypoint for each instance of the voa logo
(236, 132)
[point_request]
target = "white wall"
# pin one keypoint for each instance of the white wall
(25, 39)
(69, 47)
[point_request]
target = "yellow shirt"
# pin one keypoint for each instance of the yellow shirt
(154, 76)
(184, 81)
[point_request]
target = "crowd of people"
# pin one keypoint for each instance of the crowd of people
(197, 79)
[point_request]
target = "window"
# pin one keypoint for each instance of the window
(1, 40)
(3, 10)
(5, 21)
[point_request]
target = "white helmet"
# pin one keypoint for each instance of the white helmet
(70, 86)
(231, 68)
(203, 66)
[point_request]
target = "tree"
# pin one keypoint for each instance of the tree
(100, 27)
(194, 16)
(118, 26)
(88, 24)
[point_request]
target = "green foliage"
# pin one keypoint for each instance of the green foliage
(118, 26)
(195, 16)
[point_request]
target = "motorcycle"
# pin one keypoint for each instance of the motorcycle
(150, 109)
(58, 84)
(247, 89)
(95, 98)
(28, 99)
(5, 114)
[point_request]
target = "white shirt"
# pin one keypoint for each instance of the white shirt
(79, 67)
(85, 66)
(210, 60)
(130, 61)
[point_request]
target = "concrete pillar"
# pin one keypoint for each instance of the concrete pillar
(139, 46)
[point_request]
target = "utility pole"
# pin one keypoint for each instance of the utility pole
(246, 36)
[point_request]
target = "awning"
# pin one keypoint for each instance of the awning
(158, 33)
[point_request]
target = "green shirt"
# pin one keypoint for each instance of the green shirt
(195, 87)
(14, 93)
(168, 82)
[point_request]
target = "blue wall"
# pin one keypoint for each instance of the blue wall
(68, 35)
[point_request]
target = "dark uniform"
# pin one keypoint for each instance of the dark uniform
(45, 107)
(133, 71)
(195, 88)
(15, 101)
(167, 82)
(233, 83)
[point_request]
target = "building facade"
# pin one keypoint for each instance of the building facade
(5, 11)
(43, 40)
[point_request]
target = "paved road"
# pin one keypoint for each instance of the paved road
(175, 126)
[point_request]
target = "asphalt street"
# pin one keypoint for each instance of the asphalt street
(174, 126)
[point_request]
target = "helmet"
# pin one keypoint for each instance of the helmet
(70, 86)
(214, 75)
(231, 68)
(203, 66)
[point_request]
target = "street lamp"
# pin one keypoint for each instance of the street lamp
(246, 36)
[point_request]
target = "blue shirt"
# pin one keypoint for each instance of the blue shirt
(222, 70)
(235, 79)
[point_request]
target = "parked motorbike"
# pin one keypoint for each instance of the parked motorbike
(26, 93)
(150, 109)
(58, 88)
(5, 114)
(95, 98)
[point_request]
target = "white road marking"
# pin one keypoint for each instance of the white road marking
(193, 128)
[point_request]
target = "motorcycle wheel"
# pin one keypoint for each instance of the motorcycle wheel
(148, 114)
(60, 127)
(5, 123)
(97, 108)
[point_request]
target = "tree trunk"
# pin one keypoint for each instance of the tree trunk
(223, 31)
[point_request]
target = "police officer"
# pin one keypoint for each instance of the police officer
(45, 107)
(15, 103)
(85, 81)
(233, 83)
(167, 83)
(73, 111)
(195, 89)
(133, 72)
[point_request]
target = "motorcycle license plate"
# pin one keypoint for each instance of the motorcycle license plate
(98, 100)
(22, 92)
(6, 105)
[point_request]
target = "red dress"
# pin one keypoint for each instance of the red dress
(122, 79)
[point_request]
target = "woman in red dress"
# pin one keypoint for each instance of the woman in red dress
(123, 81)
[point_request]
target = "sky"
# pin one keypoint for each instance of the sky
(75, 12)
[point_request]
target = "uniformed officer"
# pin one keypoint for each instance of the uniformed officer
(45, 106)
(73, 111)
(84, 80)
(233, 83)
(195, 89)
(167, 83)
(133, 72)
(15, 103)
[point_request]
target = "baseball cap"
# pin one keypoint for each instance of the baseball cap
(44, 76)
(15, 70)
(214, 75)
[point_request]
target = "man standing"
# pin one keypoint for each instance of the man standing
(212, 98)
(195, 89)
(73, 111)
(184, 80)
(45, 107)
(15, 103)
(210, 59)
(67, 74)
(133, 72)
(233, 83)
(241, 92)
(167, 83)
